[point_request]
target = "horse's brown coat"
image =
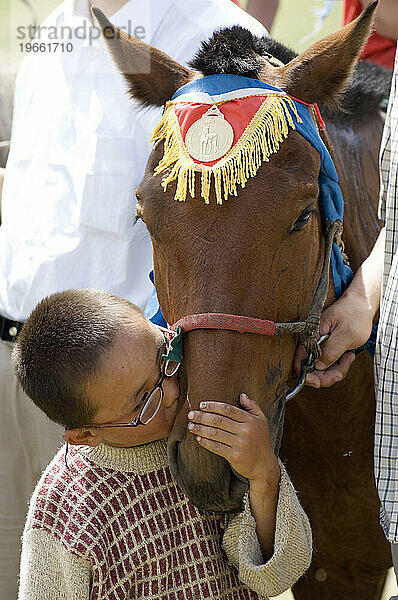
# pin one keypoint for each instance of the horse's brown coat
(240, 258)
(335, 470)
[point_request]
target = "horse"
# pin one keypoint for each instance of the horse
(261, 254)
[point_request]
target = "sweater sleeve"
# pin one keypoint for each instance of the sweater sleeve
(49, 571)
(292, 546)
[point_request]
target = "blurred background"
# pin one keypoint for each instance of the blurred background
(295, 28)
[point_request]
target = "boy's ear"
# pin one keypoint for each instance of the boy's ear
(82, 437)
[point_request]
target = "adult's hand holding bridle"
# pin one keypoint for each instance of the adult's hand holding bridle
(348, 321)
(349, 325)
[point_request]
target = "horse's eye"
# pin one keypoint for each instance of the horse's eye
(302, 221)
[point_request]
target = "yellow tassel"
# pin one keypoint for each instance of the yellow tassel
(261, 138)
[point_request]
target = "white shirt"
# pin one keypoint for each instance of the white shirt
(79, 149)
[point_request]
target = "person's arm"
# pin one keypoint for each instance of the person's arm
(242, 438)
(270, 541)
(263, 10)
(348, 321)
(386, 19)
(49, 571)
(292, 550)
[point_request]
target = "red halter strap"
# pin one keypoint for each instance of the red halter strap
(227, 322)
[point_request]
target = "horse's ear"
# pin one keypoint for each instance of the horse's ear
(152, 76)
(322, 72)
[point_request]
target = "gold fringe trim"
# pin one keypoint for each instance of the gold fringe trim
(261, 138)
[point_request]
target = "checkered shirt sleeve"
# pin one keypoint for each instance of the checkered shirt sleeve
(386, 358)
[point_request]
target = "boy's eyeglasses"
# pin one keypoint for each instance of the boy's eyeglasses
(154, 400)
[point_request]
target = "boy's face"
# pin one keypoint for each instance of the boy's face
(126, 372)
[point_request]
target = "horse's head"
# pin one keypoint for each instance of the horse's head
(259, 254)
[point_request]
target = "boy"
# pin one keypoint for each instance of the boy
(107, 520)
(80, 148)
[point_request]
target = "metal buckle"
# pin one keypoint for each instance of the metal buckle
(307, 366)
(175, 347)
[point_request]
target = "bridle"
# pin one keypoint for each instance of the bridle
(307, 330)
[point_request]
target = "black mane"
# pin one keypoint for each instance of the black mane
(236, 51)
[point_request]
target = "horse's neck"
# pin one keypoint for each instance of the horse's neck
(355, 151)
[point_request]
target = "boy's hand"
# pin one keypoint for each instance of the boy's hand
(241, 437)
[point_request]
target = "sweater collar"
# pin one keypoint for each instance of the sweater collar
(138, 459)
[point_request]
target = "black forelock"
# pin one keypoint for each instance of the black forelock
(231, 50)
(236, 51)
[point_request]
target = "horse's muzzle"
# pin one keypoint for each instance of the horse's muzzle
(215, 488)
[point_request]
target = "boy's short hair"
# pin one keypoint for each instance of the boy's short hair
(59, 348)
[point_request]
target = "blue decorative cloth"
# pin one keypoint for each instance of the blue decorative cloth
(152, 310)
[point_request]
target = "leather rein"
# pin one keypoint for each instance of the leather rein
(306, 330)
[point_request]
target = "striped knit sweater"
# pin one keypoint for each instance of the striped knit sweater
(117, 526)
